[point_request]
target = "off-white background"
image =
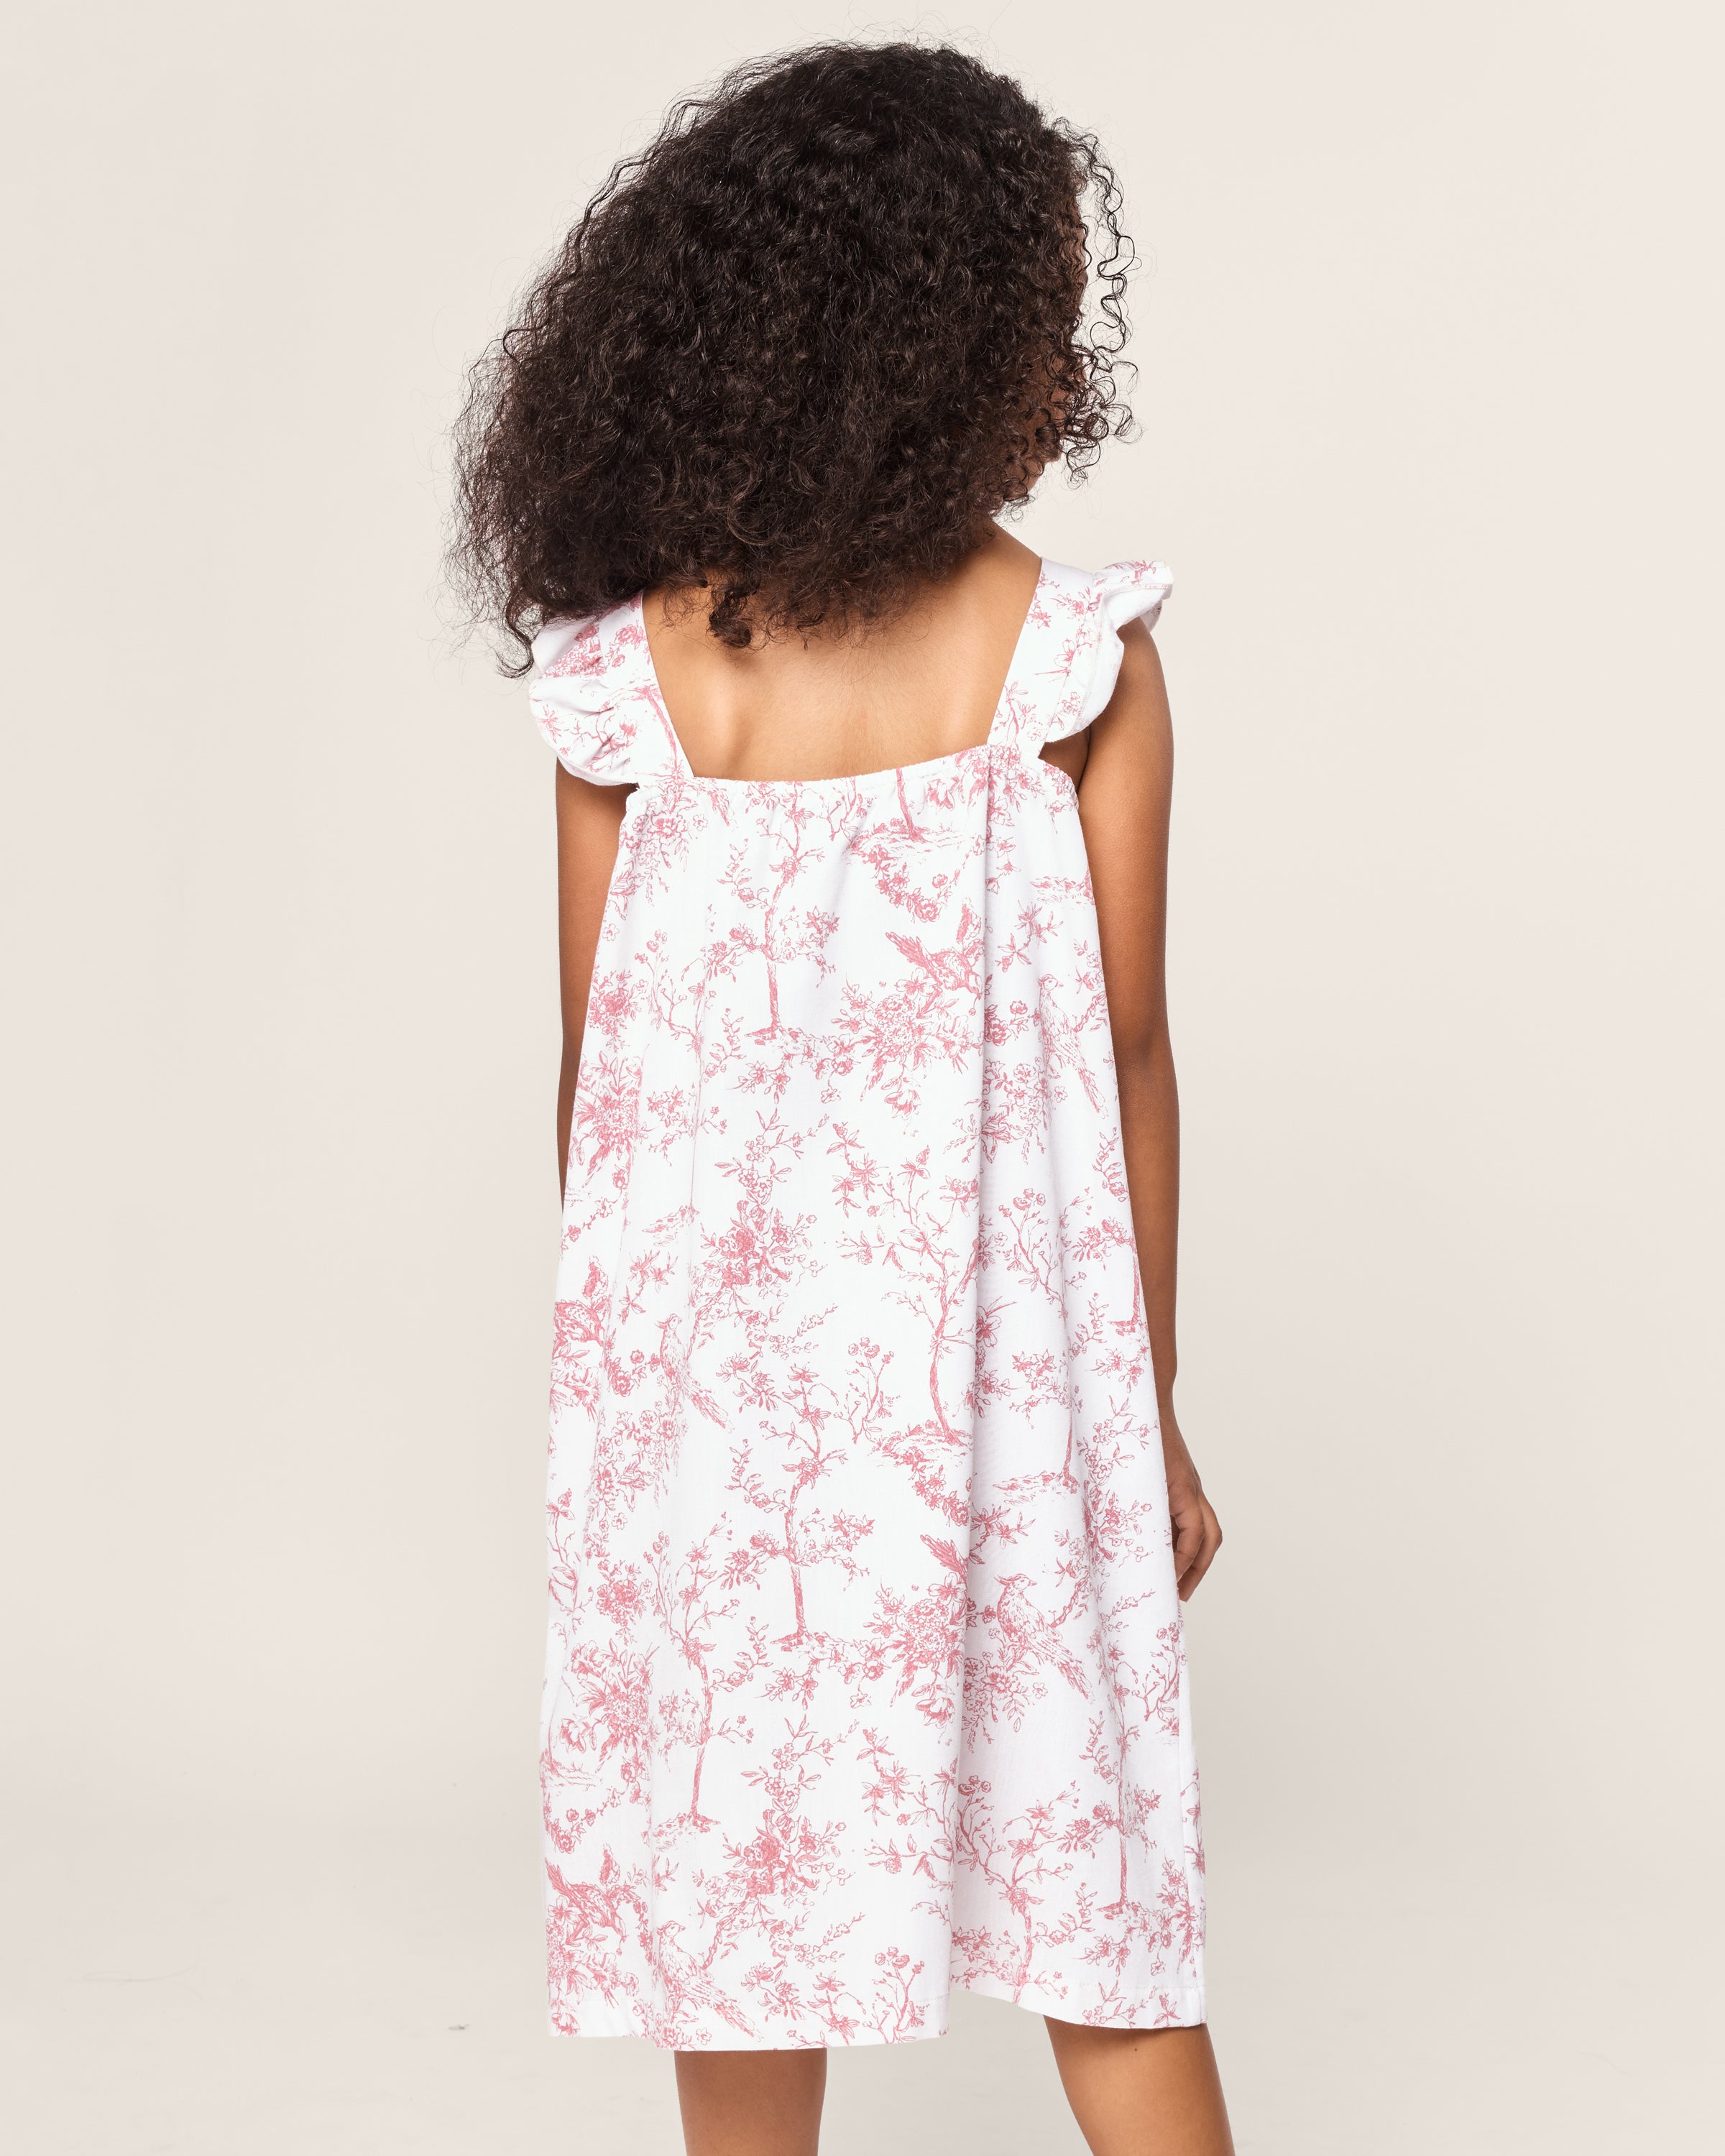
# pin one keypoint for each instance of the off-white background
(1430, 339)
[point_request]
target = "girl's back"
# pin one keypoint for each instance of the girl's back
(923, 685)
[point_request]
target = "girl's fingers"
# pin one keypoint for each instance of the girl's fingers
(1190, 1569)
(1188, 1540)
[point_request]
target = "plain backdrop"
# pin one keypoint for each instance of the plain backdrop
(1429, 334)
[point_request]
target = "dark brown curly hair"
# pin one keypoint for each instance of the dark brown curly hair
(797, 351)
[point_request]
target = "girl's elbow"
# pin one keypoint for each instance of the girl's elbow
(1144, 1055)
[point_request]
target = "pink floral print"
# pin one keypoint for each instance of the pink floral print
(866, 1675)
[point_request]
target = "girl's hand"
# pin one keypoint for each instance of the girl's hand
(1198, 1532)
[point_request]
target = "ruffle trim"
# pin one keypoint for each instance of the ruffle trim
(593, 697)
(1125, 592)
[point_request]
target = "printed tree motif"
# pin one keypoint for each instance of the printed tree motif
(1150, 1696)
(770, 1881)
(1128, 1810)
(1029, 1862)
(806, 1438)
(693, 1601)
(922, 1809)
(929, 1239)
(763, 923)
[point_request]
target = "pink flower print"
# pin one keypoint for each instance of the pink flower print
(865, 1673)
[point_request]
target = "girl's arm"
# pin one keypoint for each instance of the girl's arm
(1123, 799)
(589, 819)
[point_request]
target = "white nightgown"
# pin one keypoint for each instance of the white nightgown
(865, 1676)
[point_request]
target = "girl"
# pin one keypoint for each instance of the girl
(869, 1515)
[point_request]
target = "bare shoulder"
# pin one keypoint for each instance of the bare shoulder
(986, 596)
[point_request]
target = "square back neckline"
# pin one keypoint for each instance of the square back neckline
(637, 610)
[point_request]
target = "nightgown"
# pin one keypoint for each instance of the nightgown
(866, 1675)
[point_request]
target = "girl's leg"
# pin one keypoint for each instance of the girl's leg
(1142, 2092)
(751, 2103)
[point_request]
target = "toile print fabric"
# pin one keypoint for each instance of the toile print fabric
(865, 1676)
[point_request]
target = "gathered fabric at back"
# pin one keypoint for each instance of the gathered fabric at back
(865, 1676)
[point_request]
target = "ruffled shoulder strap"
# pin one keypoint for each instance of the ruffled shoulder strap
(1068, 659)
(597, 701)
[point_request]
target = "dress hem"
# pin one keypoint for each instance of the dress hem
(1188, 2001)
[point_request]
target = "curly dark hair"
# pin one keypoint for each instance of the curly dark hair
(797, 351)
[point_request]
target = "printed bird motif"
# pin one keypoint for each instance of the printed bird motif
(1028, 1635)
